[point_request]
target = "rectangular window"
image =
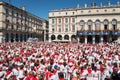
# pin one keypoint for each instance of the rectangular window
(12, 13)
(89, 27)
(114, 27)
(66, 20)
(73, 28)
(7, 13)
(53, 28)
(66, 28)
(17, 27)
(82, 27)
(17, 14)
(6, 26)
(12, 26)
(73, 20)
(59, 20)
(53, 21)
(97, 26)
(59, 28)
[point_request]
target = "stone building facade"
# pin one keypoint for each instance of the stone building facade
(93, 24)
(16, 24)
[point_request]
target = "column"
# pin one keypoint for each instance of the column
(14, 37)
(56, 23)
(101, 39)
(85, 39)
(70, 39)
(22, 37)
(78, 39)
(26, 37)
(86, 26)
(44, 35)
(102, 26)
(18, 37)
(93, 39)
(49, 39)
(93, 28)
(9, 40)
(1, 37)
(70, 26)
(62, 23)
(110, 26)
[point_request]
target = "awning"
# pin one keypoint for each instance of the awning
(118, 33)
(57, 40)
(84, 33)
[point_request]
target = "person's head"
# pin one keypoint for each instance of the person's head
(49, 68)
(64, 63)
(32, 67)
(21, 67)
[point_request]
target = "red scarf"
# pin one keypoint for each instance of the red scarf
(8, 72)
(89, 71)
(61, 79)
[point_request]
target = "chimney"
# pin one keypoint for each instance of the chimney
(118, 3)
(101, 4)
(78, 6)
(23, 8)
(93, 4)
(85, 5)
(109, 4)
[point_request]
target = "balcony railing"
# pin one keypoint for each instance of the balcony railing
(89, 30)
(116, 30)
(106, 30)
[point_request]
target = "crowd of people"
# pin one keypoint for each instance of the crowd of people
(59, 61)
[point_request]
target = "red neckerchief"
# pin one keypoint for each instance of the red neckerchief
(89, 71)
(8, 72)
(95, 70)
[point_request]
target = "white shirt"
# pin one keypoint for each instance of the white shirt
(20, 74)
(15, 72)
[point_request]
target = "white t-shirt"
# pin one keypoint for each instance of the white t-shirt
(20, 74)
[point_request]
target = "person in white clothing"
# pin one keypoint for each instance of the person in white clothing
(21, 73)
(95, 74)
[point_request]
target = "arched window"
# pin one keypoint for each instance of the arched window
(106, 24)
(24, 37)
(114, 24)
(6, 37)
(82, 25)
(66, 37)
(21, 37)
(53, 37)
(12, 37)
(97, 25)
(17, 37)
(89, 25)
(59, 37)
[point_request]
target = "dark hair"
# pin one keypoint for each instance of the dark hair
(61, 75)
(49, 68)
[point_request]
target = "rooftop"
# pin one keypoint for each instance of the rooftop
(93, 6)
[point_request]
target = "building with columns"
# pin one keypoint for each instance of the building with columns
(92, 24)
(16, 24)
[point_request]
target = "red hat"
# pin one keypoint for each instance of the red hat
(1, 69)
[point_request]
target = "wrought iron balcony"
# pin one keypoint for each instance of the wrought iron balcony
(116, 30)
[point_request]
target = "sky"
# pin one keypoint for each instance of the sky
(41, 8)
